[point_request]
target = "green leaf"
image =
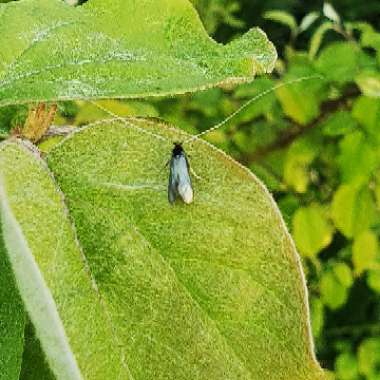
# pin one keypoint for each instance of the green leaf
(331, 13)
(216, 13)
(316, 39)
(140, 289)
(343, 273)
(311, 229)
(373, 279)
(357, 159)
(367, 112)
(53, 279)
(12, 321)
(371, 38)
(369, 83)
(308, 20)
(263, 106)
(361, 26)
(123, 49)
(364, 252)
(178, 300)
(333, 293)
(353, 210)
(173, 280)
(296, 168)
(346, 366)
(317, 317)
(339, 62)
(282, 17)
(339, 123)
(369, 358)
(301, 101)
(89, 112)
(34, 366)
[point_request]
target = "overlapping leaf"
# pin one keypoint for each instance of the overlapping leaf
(207, 291)
(121, 48)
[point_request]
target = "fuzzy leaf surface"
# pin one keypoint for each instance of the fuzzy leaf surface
(117, 48)
(206, 291)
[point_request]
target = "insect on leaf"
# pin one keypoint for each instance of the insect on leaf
(150, 291)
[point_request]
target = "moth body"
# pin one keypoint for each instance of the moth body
(179, 178)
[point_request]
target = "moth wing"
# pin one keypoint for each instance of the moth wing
(184, 187)
(172, 186)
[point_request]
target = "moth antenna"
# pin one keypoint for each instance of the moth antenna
(126, 123)
(196, 176)
(249, 102)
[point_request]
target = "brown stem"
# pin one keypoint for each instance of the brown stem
(297, 130)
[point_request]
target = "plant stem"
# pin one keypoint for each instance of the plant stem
(285, 139)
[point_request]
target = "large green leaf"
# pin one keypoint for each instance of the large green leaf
(51, 272)
(11, 321)
(34, 365)
(213, 290)
(117, 48)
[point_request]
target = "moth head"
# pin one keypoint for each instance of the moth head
(177, 150)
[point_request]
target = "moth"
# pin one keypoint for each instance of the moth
(179, 177)
(180, 185)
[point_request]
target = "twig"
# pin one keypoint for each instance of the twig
(62, 130)
(298, 130)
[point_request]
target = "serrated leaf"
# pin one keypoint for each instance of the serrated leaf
(312, 230)
(185, 301)
(282, 17)
(122, 48)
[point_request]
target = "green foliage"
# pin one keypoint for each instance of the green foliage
(132, 286)
(315, 144)
(311, 229)
(217, 13)
(11, 321)
(283, 18)
(118, 57)
(369, 358)
(113, 283)
(353, 210)
(365, 252)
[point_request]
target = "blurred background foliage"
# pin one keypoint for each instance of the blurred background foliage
(316, 145)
